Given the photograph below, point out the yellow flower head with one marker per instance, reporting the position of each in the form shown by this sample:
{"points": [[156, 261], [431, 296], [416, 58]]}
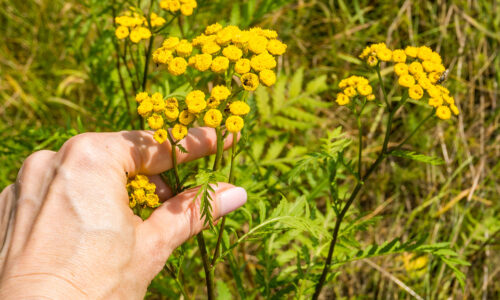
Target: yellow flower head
{"points": [[276, 47], [212, 102], [372, 61], [424, 53], [152, 200], [401, 69], [232, 52], [177, 66], [234, 124], [364, 89], [434, 77], [212, 118], [342, 99], [219, 64], [179, 131], [188, 8], [242, 66], [184, 48], [406, 80], [416, 92], [155, 121], [263, 61], [202, 62], [443, 112], [135, 35], [399, 56], [384, 54], [162, 56], [411, 51], [225, 35], [415, 68], [172, 103], [239, 108], [171, 43], [186, 118], [257, 44], [210, 48], [158, 102], [350, 92], [213, 29], [121, 32], [220, 93], [161, 135], [141, 97], [156, 20], [249, 81], [429, 66], [171, 113], [144, 32], [145, 108], [454, 109], [195, 101], [435, 102], [370, 97], [267, 77]]}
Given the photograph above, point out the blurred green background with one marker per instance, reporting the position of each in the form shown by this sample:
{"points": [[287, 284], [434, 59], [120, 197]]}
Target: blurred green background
{"points": [[58, 78]]}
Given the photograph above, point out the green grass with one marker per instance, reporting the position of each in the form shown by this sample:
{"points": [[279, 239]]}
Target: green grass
{"points": [[58, 78]]}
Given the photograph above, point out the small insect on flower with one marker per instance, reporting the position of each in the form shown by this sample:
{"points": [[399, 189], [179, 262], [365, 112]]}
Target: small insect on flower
{"points": [[443, 76], [250, 81]]}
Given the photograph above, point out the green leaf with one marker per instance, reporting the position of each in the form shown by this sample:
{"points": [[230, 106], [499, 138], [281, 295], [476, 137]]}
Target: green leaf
{"points": [[433, 160], [223, 291], [317, 85], [295, 86]]}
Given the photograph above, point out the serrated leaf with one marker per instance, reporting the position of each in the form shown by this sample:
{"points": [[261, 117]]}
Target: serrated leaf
{"points": [[317, 85], [279, 94], [295, 86], [262, 100], [223, 291], [433, 160]]}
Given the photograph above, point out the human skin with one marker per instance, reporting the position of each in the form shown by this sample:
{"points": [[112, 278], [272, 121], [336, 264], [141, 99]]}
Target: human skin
{"points": [[67, 232]]}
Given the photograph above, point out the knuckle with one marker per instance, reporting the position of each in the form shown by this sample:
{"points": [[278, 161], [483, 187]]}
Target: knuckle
{"points": [[83, 150], [37, 158]]}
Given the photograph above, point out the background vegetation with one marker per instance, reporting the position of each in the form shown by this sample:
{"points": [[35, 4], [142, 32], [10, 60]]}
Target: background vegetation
{"points": [[58, 78]]}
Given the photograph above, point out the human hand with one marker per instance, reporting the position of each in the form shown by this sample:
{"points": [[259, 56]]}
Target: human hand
{"points": [[67, 232]]}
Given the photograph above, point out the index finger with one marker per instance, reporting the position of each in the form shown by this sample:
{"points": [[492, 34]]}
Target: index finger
{"points": [[138, 152]]}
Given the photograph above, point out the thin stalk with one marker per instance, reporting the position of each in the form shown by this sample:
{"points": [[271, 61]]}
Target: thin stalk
{"points": [[220, 148], [146, 63], [178, 187], [357, 188], [414, 131], [206, 265], [124, 58], [223, 222], [382, 87]]}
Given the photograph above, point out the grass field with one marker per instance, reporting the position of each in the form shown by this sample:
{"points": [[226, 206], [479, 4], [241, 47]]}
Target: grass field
{"points": [[58, 78]]}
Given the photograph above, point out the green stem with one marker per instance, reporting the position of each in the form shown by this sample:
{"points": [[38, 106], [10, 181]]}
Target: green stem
{"points": [[220, 149], [146, 64], [223, 222], [382, 87], [414, 131], [178, 187], [357, 189], [206, 265]]}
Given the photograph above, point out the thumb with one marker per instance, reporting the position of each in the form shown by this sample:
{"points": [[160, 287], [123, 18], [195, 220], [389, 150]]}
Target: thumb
{"points": [[179, 218]]}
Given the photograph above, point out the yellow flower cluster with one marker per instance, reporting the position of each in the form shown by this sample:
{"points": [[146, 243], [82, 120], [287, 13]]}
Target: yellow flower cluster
{"points": [[186, 7], [135, 26], [420, 70], [249, 53], [352, 87], [141, 192]]}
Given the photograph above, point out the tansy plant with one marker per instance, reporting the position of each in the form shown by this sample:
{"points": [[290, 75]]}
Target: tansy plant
{"points": [[420, 75], [236, 62]]}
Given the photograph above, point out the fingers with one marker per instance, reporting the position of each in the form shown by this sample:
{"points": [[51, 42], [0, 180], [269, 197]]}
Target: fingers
{"points": [[163, 191], [178, 219], [137, 151]]}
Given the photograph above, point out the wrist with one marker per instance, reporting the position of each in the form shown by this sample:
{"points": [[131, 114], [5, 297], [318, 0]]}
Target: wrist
{"points": [[39, 286]]}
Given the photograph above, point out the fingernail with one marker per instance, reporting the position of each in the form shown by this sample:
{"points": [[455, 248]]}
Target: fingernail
{"points": [[231, 199]]}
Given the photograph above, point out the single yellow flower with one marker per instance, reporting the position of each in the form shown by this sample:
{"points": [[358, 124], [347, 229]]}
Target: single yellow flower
{"points": [[220, 92], [257, 44], [249, 81], [443, 112], [415, 68], [186, 118], [179, 131], [184, 48], [177, 66], [263, 61], [161, 135], [372, 61], [435, 102], [364, 89], [121, 32], [195, 101], [155, 121], [239, 108], [141, 96], [411, 51], [267, 77], [424, 53], [350, 92], [406, 80], [399, 56], [276, 47], [171, 113], [212, 118], [171, 43], [384, 54], [135, 36], [370, 97], [342, 99], [213, 29], [202, 62], [219, 64], [210, 48], [234, 124], [145, 108], [242, 66], [401, 69], [416, 92], [232, 52]]}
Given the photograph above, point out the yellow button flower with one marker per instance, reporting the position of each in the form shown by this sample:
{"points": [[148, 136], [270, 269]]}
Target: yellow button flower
{"points": [[239, 108], [152, 200], [263, 61], [399, 56], [232, 52], [234, 124], [202, 62], [212, 118], [435, 102], [144, 32], [141, 96], [172, 102], [242, 66], [249, 81], [372, 61], [411, 51], [177, 66], [342, 99], [364, 89], [220, 93], [416, 92], [213, 29], [267, 77], [171, 43], [135, 36], [415, 68], [257, 44], [121, 32], [186, 118], [184, 48], [406, 80], [401, 69], [350, 92], [424, 53], [155, 121], [161, 135], [370, 97], [276, 47], [195, 101], [219, 64], [210, 48], [162, 56], [384, 54], [454, 109], [145, 108], [171, 113], [443, 112], [179, 131]]}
